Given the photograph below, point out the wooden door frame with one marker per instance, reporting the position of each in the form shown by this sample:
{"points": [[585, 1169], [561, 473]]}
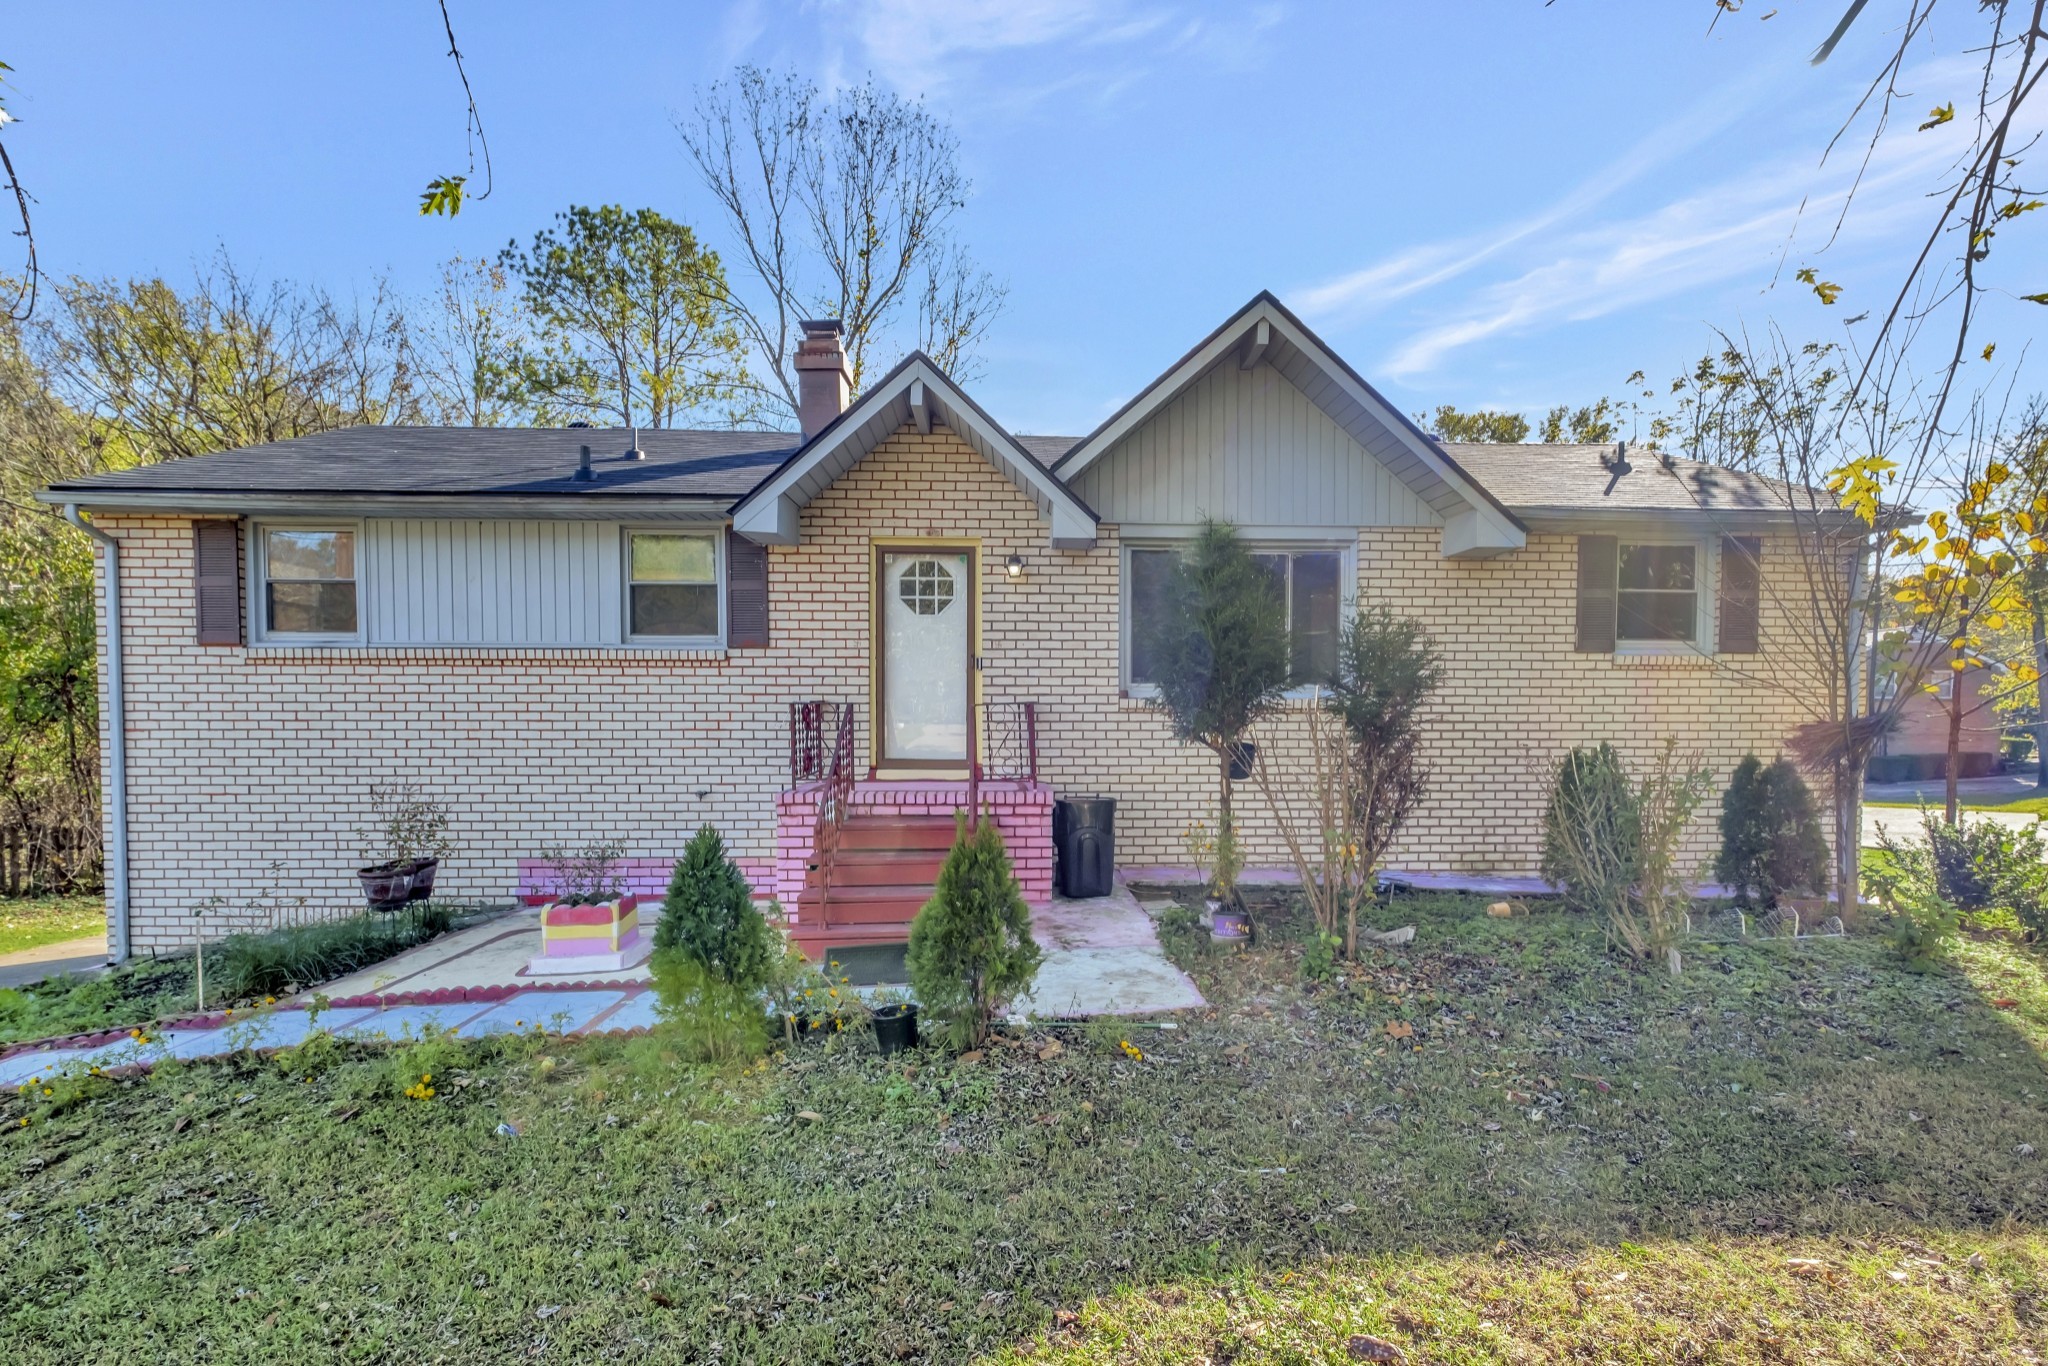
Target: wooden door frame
{"points": [[881, 547]]}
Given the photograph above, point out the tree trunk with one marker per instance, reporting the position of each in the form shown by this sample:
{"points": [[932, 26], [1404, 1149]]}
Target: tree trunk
{"points": [[1955, 738], [1848, 803], [2036, 601]]}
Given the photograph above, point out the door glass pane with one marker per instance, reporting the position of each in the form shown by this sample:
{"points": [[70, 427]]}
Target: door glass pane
{"points": [[925, 610], [1151, 574], [1314, 604], [675, 609]]}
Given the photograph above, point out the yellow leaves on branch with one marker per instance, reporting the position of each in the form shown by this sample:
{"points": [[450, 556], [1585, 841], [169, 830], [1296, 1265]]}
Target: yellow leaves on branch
{"points": [[1940, 114], [1827, 290]]}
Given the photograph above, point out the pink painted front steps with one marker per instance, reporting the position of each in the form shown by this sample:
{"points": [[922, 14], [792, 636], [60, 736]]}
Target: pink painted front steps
{"points": [[1022, 811]]}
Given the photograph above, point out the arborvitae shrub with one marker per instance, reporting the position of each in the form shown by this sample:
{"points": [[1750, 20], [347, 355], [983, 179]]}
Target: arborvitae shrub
{"points": [[1771, 841], [971, 950], [709, 917]]}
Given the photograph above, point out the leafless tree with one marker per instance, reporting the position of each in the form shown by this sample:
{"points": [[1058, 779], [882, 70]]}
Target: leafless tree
{"points": [[466, 341], [839, 206]]}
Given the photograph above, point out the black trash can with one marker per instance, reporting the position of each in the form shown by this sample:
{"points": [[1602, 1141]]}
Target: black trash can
{"points": [[1084, 845]]}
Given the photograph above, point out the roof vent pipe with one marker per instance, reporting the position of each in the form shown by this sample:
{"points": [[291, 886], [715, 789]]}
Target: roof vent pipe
{"points": [[584, 474], [633, 452]]}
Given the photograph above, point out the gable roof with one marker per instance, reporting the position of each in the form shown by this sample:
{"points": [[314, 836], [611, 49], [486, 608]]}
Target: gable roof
{"points": [[1264, 331], [1569, 483], [916, 390]]}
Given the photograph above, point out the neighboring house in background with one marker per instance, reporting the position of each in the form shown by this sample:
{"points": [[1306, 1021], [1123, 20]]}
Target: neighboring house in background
{"points": [[1917, 748], [670, 640]]}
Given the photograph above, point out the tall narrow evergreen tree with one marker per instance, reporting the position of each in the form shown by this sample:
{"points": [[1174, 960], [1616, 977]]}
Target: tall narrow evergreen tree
{"points": [[709, 916], [971, 950], [1771, 841]]}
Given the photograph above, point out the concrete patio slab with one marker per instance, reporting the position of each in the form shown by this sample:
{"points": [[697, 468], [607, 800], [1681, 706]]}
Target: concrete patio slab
{"points": [[1102, 957], [494, 953]]}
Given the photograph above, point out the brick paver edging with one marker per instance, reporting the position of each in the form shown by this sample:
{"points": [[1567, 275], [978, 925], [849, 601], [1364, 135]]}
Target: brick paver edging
{"points": [[371, 1000]]}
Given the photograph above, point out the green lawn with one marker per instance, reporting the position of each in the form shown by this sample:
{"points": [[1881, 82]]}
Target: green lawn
{"points": [[31, 922], [2032, 806], [1795, 1152]]}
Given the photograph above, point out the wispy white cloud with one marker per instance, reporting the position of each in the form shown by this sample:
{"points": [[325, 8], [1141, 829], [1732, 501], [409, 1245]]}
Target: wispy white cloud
{"points": [[1734, 228]]}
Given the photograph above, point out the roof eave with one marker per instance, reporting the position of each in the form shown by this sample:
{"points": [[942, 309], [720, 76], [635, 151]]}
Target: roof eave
{"points": [[282, 503]]}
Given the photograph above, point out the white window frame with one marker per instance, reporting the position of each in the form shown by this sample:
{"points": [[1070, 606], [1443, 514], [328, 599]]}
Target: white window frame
{"points": [[715, 641], [1706, 572], [1945, 686], [259, 632], [1263, 544]]}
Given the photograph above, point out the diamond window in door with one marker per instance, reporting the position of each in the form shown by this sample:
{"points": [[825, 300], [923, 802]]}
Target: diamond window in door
{"points": [[926, 587]]}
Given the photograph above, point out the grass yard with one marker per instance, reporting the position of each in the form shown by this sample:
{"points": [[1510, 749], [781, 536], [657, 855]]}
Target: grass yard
{"points": [[1497, 1146], [2029, 806], [33, 921]]}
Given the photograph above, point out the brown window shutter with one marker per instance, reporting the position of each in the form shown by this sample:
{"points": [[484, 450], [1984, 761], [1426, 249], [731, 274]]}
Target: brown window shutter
{"points": [[1741, 594], [746, 593], [1599, 563], [217, 581]]}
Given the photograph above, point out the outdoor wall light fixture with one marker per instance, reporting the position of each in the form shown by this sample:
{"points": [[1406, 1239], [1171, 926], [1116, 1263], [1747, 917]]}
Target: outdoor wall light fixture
{"points": [[1014, 566]]}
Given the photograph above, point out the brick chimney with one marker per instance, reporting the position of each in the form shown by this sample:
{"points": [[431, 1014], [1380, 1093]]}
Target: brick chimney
{"points": [[822, 384]]}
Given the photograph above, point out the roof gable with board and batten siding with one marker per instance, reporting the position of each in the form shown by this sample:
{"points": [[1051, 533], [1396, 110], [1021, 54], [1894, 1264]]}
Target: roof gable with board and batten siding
{"points": [[1263, 425]]}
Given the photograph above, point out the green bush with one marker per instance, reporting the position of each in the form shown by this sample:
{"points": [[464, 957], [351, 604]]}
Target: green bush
{"points": [[246, 965], [1771, 841], [1592, 831], [1981, 865], [971, 949], [1919, 922], [709, 917], [709, 1018]]}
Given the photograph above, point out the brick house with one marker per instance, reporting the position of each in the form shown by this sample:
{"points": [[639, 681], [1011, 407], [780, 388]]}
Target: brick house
{"points": [[580, 634]]}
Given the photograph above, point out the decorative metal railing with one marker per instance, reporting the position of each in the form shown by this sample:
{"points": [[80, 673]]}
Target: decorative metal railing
{"points": [[821, 750], [1010, 741]]}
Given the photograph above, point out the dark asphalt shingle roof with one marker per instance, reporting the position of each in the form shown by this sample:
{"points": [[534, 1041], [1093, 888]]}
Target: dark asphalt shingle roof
{"points": [[1531, 477], [471, 460], [462, 461]]}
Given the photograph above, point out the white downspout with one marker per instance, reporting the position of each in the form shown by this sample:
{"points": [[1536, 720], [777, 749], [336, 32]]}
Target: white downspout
{"points": [[117, 744]]}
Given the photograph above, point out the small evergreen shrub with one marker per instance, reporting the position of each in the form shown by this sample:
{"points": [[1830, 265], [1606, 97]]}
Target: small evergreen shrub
{"points": [[709, 917], [1979, 866], [971, 950], [1592, 831], [1771, 841]]}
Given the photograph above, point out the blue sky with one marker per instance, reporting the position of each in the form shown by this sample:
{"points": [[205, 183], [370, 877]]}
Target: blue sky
{"points": [[1487, 202]]}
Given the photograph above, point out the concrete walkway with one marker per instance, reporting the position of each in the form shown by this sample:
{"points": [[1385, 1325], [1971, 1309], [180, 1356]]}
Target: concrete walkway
{"points": [[25, 967], [1101, 958], [1905, 826]]}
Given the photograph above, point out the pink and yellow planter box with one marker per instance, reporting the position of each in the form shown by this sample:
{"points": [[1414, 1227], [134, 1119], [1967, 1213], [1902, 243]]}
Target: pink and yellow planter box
{"points": [[603, 937]]}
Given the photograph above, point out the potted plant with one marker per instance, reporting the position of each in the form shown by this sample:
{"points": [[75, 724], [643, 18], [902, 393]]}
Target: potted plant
{"points": [[1217, 863], [590, 923], [895, 1021], [403, 845]]}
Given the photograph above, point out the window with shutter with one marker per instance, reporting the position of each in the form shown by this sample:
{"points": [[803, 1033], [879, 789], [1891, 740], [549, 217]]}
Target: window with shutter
{"points": [[746, 593], [217, 582]]}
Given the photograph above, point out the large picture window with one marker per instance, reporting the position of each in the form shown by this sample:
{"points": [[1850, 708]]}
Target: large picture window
{"points": [[1308, 593], [309, 581], [1658, 596], [672, 585]]}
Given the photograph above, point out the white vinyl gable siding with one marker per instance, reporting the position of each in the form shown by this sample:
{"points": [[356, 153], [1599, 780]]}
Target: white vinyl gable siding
{"points": [[492, 582], [1248, 447]]}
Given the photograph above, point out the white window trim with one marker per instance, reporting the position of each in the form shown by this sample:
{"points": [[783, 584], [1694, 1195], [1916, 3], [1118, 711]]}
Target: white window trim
{"points": [[718, 569], [258, 570], [1706, 626], [1347, 578], [1945, 686]]}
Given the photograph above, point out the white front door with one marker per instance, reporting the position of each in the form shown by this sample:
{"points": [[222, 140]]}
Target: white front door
{"points": [[927, 629]]}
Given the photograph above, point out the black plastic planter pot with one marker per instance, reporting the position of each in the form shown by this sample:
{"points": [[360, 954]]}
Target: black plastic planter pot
{"points": [[386, 886], [1242, 762], [895, 1028], [423, 871]]}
